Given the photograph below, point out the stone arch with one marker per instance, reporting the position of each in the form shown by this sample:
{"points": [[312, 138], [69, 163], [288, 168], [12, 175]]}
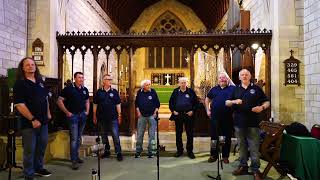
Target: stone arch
{"points": [[187, 16], [168, 22]]}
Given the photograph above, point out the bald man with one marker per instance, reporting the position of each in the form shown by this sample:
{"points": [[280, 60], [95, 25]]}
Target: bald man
{"points": [[182, 104], [221, 116], [248, 100]]}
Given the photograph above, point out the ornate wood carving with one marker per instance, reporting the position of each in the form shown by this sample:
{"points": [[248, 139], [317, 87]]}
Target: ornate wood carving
{"points": [[186, 39]]}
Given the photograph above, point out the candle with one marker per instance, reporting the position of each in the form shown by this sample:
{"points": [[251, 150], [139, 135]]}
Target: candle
{"points": [[126, 69], [122, 67], [110, 68], [207, 67], [11, 108]]}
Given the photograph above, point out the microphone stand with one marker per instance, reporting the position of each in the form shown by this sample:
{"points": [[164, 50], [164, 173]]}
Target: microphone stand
{"points": [[158, 145], [11, 142], [98, 151], [220, 142]]}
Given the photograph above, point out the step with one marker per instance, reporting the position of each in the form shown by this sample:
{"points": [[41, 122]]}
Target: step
{"points": [[167, 139]]}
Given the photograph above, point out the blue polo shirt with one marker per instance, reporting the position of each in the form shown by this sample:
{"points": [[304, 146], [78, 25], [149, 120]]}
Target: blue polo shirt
{"points": [[75, 98], [251, 97], [34, 96], [218, 98], [184, 101], [147, 102], [107, 102]]}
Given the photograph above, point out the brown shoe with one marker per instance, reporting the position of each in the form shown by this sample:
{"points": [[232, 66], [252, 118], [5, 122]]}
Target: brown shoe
{"points": [[241, 170], [212, 159], [226, 160], [257, 176]]}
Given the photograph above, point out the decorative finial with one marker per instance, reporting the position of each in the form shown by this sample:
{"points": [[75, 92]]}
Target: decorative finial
{"points": [[291, 52], [240, 3]]}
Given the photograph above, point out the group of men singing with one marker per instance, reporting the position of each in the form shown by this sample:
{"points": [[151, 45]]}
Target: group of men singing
{"points": [[229, 107]]}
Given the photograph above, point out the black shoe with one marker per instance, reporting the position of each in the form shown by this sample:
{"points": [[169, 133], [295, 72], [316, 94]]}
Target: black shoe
{"points": [[212, 159], [80, 161], [43, 173], [137, 155], [75, 165], [150, 155], [106, 154], [178, 154], [119, 157], [191, 155]]}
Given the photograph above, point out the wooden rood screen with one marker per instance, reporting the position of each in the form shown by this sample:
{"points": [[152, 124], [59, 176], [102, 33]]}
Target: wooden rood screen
{"points": [[191, 41]]}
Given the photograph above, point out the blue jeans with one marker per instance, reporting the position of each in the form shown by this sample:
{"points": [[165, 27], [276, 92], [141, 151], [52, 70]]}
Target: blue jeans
{"points": [[114, 127], [34, 143], [249, 137], [142, 123], [77, 123]]}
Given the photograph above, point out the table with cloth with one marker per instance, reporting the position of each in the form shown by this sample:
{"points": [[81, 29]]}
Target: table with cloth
{"points": [[302, 155]]}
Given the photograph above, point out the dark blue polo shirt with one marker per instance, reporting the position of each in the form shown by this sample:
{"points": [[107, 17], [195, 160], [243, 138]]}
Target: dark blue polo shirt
{"points": [[34, 96], [184, 101], [107, 102], [219, 96], [75, 98], [251, 97], [147, 102]]}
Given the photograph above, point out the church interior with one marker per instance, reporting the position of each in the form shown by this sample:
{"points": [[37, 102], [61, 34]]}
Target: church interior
{"points": [[163, 40]]}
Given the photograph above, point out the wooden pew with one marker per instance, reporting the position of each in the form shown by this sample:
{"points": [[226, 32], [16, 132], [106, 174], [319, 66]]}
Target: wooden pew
{"points": [[270, 146]]}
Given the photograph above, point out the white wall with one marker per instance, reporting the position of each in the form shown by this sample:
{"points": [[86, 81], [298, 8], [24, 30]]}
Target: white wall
{"points": [[285, 19], [312, 61], [48, 16], [13, 33]]}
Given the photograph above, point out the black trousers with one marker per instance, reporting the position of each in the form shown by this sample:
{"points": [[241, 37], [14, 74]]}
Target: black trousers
{"points": [[188, 122], [221, 127]]}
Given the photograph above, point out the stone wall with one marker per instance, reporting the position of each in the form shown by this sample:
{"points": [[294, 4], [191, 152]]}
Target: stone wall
{"points": [[287, 28], [311, 23], [13, 33], [46, 17]]}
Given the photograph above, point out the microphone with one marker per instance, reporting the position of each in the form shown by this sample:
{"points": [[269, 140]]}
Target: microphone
{"points": [[222, 140], [214, 144]]}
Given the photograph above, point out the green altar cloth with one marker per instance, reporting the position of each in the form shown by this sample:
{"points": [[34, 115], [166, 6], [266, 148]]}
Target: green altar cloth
{"points": [[303, 155]]}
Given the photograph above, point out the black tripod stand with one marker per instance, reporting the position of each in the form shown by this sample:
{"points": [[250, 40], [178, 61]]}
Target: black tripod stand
{"points": [[11, 144], [158, 145], [217, 144], [98, 153]]}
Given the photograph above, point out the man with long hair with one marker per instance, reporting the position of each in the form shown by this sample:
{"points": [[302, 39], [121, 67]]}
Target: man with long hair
{"points": [[147, 105], [182, 104], [74, 102], [107, 112], [221, 116], [31, 101]]}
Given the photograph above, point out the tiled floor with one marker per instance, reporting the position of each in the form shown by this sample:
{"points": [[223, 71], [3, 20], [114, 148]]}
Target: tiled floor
{"points": [[144, 169]]}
